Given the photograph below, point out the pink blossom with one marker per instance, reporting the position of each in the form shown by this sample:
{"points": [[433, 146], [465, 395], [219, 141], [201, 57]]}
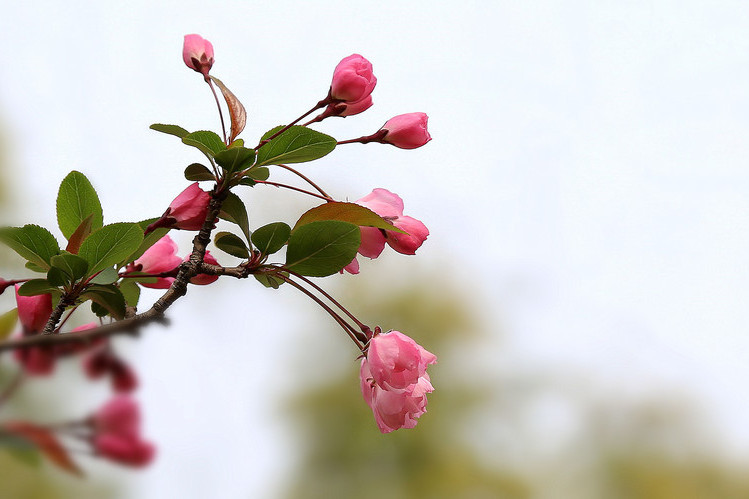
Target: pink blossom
{"points": [[357, 107], [407, 131], [189, 210], [204, 279], [197, 52], [41, 360], [353, 81], [161, 257], [390, 207], [117, 433], [396, 360], [394, 408], [33, 311]]}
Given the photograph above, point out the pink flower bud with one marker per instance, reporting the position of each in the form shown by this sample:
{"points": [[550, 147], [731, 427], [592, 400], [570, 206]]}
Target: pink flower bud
{"points": [[117, 433], [407, 131], [36, 361], [390, 207], [33, 311], [353, 80], [190, 208], [204, 279], [396, 360], [357, 107], [197, 52], [105, 362], [161, 257], [394, 408]]}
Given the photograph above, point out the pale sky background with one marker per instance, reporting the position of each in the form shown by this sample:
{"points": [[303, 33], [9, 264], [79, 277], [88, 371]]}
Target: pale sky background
{"points": [[588, 174]]}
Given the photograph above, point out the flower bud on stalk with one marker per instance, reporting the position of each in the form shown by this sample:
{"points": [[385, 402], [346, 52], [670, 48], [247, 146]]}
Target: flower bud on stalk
{"points": [[197, 52], [407, 131], [189, 209], [117, 433], [159, 258]]}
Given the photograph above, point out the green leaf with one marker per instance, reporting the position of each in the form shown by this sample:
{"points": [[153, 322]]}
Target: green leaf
{"points": [[269, 280], [74, 266], [32, 242], [110, 244], [198, 172], [208, 142], [235, 159], [296, 145], [320, 249], [35, 268], [233, 210], [81, 233], [170, 129], [237, 143], [149, 240], [107, 276], [346, 212], [57, 277], [258, 173], [20, 449], [131, 291], [8, 323], [36, 287], [76, 201], [110, 298], [228, 242], [271, 238]]}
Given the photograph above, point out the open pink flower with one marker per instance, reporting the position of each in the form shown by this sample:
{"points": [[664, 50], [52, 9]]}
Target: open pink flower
{"points": [[407, 131], [189, 210], [197, 52], [353, 82], [396, 403], [161, 257], [390, 207], [204, 279], [117, 433]]}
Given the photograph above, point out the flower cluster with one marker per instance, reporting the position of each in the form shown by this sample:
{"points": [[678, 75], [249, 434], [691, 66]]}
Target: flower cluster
{"points": [[394, 381]]}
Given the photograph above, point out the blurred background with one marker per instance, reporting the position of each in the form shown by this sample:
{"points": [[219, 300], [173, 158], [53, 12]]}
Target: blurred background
{"points": [[584, 284]]}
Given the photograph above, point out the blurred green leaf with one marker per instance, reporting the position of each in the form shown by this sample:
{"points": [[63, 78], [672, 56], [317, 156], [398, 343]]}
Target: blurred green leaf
{"points": [[298, 144], [198, 172], [110, 244], [35, 244], [323, 248], [8, 323], [271, 238], [76, 201]]}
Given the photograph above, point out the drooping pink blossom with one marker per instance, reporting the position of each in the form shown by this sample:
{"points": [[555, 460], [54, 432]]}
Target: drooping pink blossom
{"points": [[117, 433], [395, 408], [197, 52], [390, 207], [396, 360], [204, 279], [189, 209], [353, 82], [41, 360], [161, 257], [407, 131]]}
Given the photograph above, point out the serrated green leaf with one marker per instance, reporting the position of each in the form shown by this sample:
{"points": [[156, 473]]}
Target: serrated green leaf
{"points": [[35, 244], [320, 249], [131, 291], [110, 244], [170, 129], [110, 298], [346, 212], [198, 172], [269, 280], [296, 145], [76, 201], [8, 323], [235, 159], [36, 287], [107, 276], [74, 266], [233, 210], [228, 242], [271, 238], [207, 142]]}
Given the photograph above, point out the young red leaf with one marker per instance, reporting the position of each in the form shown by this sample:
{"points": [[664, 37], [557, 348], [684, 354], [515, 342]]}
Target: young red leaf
{"points": [[46, 442], [236, 110]]}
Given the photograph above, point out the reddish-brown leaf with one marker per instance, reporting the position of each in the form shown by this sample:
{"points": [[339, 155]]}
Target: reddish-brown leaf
{"points": [[236, 110], [80, 234], [46, 442]]}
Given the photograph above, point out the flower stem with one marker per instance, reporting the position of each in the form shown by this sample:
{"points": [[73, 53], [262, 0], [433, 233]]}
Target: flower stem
{"points": [[218, 104], [299, 174], [319, 105], [285, 186]]}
